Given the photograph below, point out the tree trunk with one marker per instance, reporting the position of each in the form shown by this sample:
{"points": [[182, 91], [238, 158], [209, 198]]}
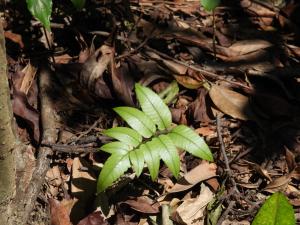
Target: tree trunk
{"points": [[7, 139]]}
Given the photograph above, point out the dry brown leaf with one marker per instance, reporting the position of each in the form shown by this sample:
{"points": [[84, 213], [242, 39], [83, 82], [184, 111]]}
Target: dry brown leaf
{"points": [[278, 184], [59, 213], [91, 74], [261, 171], [201, 172], [17, 38], [213, 183], [290, 159], [122, 82], [249, 186], [230, 102], [94, 218], [23, 109], [176, 68], [296, 173], [205, 131], [63, 59], [143, 204], [188, 82], [191, 211]]}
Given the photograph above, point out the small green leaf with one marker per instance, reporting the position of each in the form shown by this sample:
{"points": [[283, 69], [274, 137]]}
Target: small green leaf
{"points": [[210, 5], [41, 9], [79, 4], [152, 159], [116, 147], [153, 106], [137, 160], [168, 152], [185, 138], [276, 211], [124, 134], [114, 167], [138, 120], [170, 92]]}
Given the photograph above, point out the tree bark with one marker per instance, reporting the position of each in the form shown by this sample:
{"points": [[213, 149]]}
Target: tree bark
{"points": [[7, 139]]}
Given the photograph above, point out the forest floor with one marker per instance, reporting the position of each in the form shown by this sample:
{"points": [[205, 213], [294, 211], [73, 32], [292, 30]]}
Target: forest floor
{"points": [[237, 85]]}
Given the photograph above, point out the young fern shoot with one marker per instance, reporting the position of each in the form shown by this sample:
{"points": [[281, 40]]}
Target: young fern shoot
{"points": [[150, 137]]}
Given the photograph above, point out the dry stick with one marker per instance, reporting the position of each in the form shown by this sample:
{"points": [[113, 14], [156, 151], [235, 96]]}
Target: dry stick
{"points": [[214, 36], [72, 148], [49, 46], [87, 131], [223, 217], [50, 133], [222, 146]]}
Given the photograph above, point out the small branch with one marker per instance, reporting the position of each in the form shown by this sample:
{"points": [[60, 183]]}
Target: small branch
{"points": [[222, 146], [25, 199], [214, 36], [72, 148], [225, 213]]}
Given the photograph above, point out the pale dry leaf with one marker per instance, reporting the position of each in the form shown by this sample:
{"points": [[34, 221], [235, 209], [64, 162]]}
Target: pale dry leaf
{"points": [[201, 172], [54, 177], [81, 176], [29, 75], [235, 222], [191, 211], [247, 46], [83, 187], [231, 102]]}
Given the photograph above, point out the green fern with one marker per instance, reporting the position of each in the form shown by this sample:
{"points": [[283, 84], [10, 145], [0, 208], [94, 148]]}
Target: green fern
{"points": [[149, 139]]}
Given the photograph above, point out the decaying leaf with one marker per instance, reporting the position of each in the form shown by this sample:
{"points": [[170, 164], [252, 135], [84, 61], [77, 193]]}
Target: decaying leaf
{"points": [[93, 69], [230, 102], [202, 172], [23, 109]]}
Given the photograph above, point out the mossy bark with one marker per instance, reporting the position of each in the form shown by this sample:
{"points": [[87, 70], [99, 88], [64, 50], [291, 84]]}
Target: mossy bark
{"points": [[7, 139]]}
